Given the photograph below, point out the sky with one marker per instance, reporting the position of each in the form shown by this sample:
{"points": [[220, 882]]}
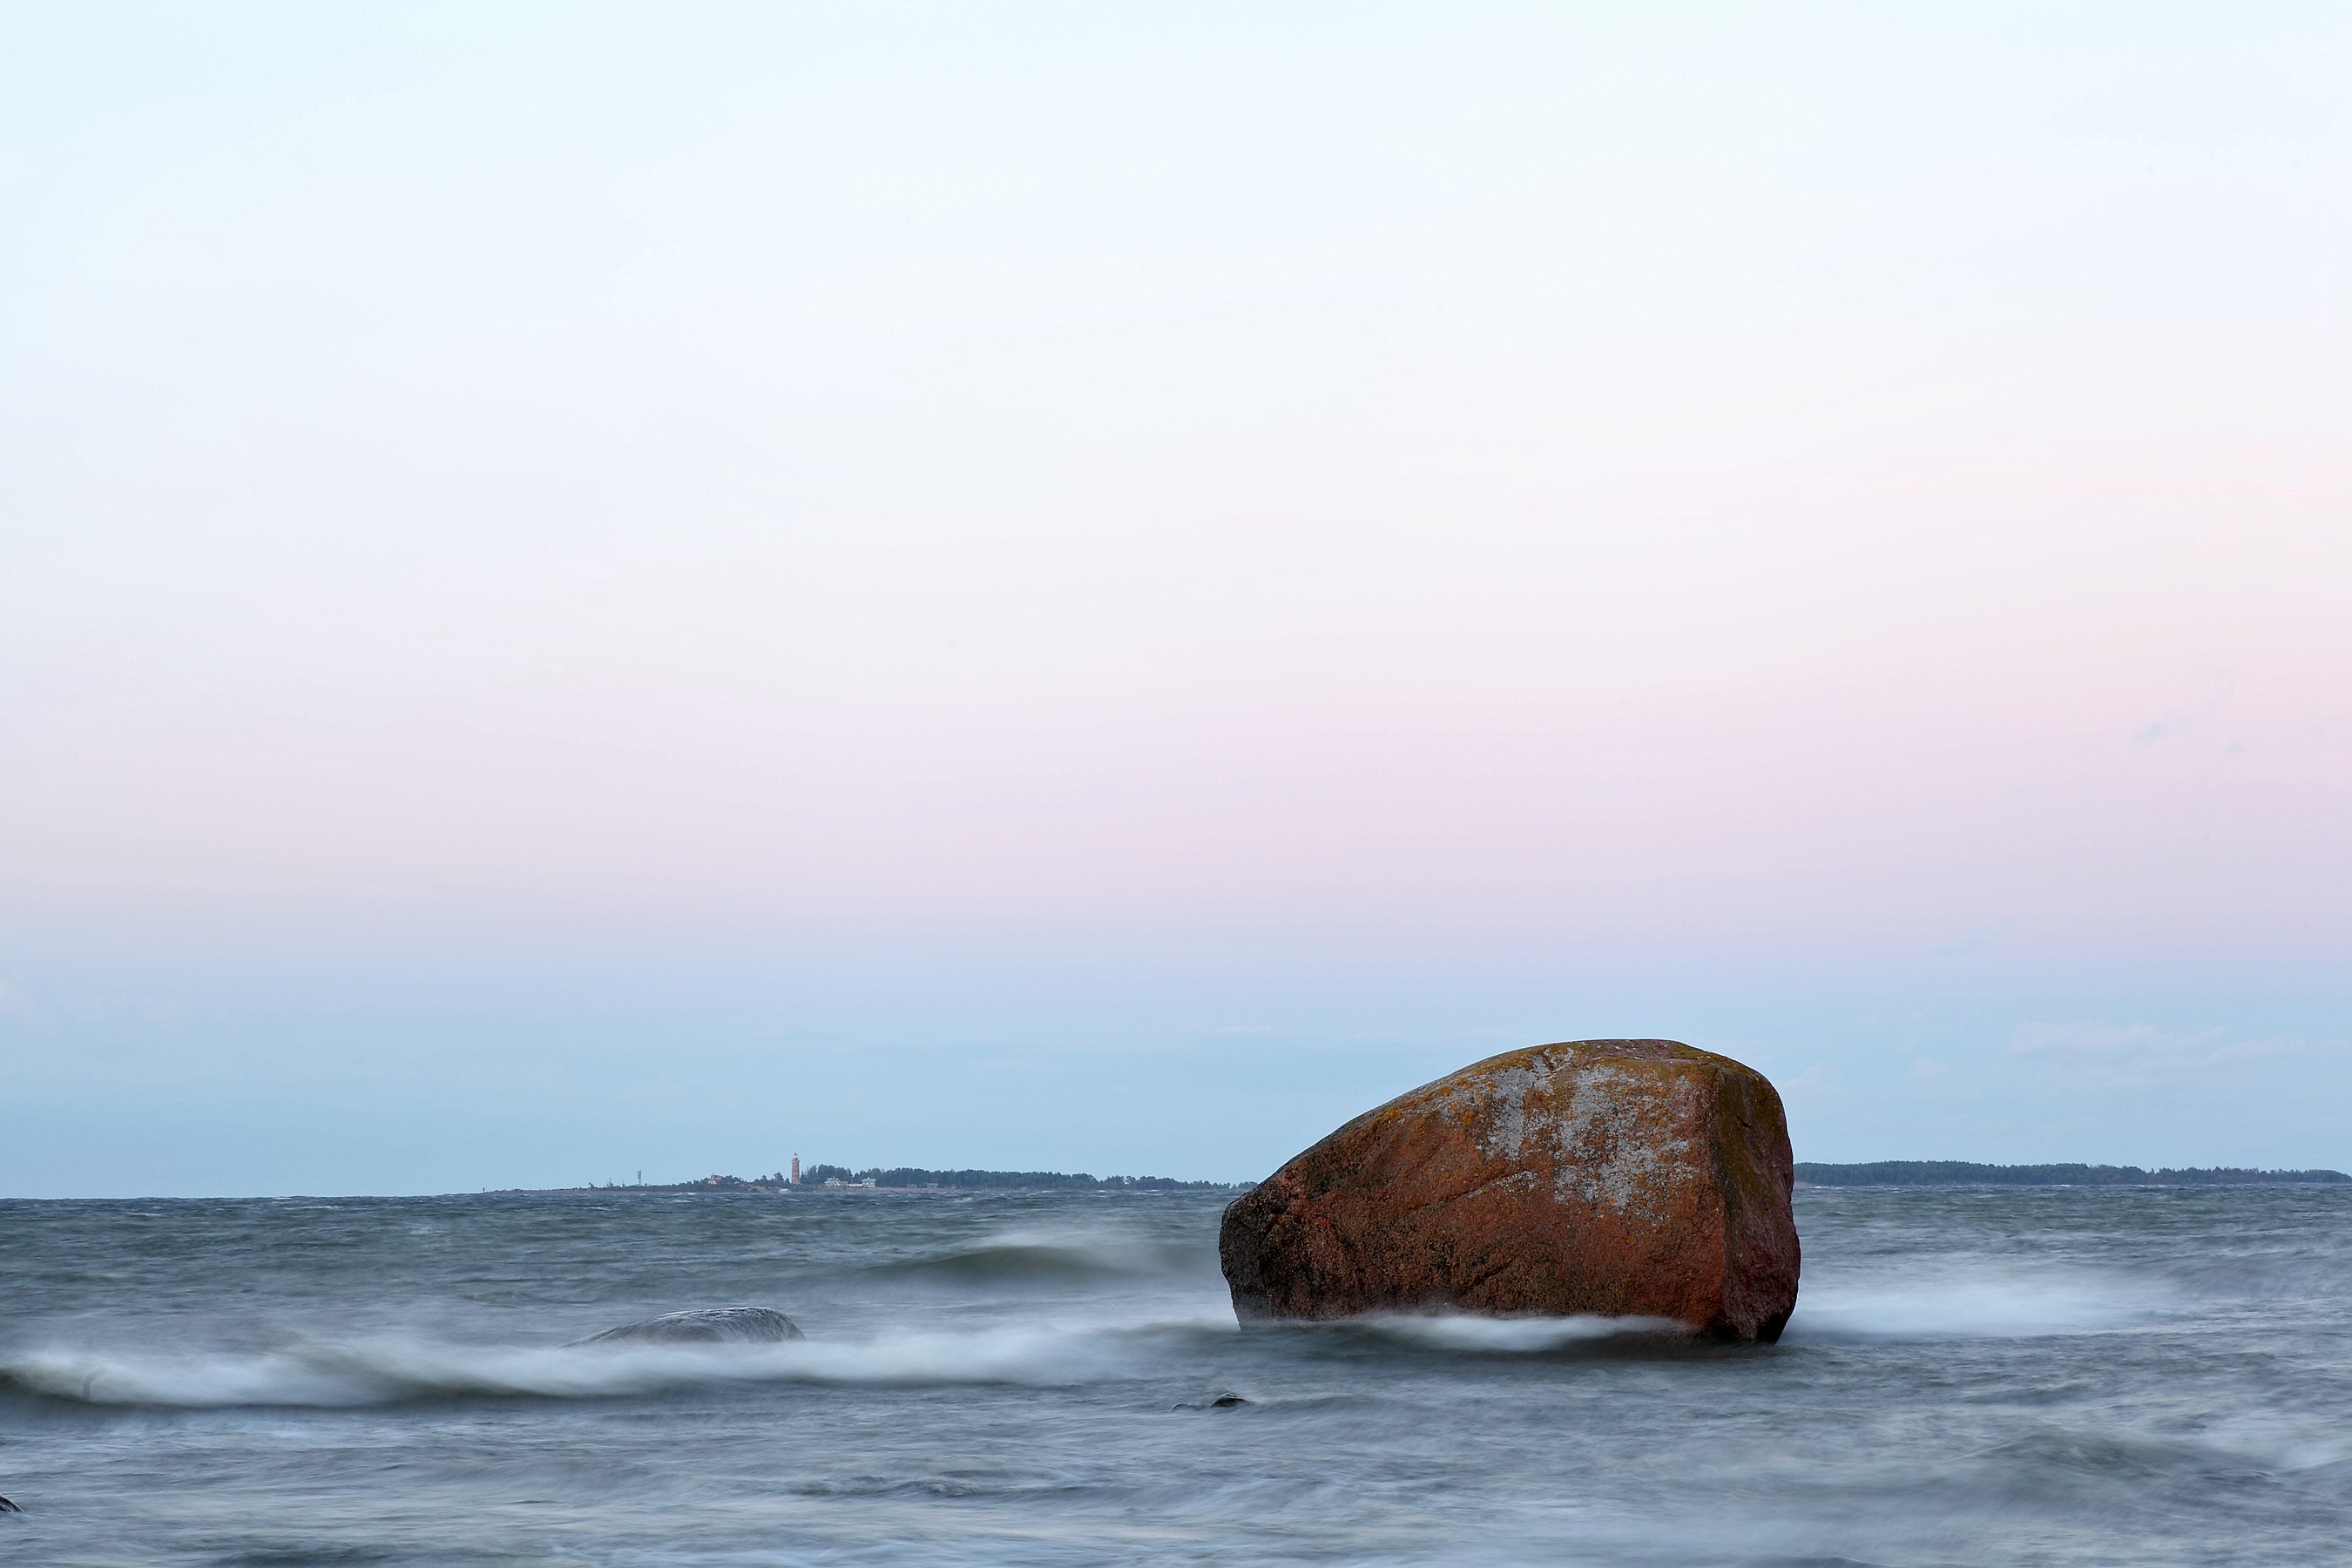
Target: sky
{"points": [[588, 589]]}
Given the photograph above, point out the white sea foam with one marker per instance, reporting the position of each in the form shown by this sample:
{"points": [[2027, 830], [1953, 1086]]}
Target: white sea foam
{"points": [[2009, 1305], [388, 1371], [1056, 1353], [1455, 1332]]}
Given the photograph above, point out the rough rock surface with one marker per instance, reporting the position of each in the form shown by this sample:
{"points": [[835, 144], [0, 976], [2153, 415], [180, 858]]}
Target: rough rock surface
{"points": [[717, 1325], [1629, 1178]]}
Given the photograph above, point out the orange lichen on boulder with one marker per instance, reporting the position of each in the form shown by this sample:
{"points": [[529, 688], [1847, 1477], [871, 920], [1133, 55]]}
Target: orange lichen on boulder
{"points": [[1627, 1178]]}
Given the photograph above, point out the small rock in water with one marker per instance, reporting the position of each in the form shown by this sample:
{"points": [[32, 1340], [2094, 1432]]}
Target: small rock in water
{"points": [[1621, 1178], [717, 1325]]}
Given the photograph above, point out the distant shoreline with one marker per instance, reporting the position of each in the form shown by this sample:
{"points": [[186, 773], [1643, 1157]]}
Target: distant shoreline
{"points": [[1810, 1174], [1967, 1174], [905, 1179], [854, 1189]]}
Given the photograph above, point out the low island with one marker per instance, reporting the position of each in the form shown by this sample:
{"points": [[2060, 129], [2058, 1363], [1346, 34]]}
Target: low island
{"points": [[912, 1178], [1968, 1173]]}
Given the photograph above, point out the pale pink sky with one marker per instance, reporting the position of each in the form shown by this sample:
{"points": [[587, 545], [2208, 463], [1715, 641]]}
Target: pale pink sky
{"points": [[1849, 485]]}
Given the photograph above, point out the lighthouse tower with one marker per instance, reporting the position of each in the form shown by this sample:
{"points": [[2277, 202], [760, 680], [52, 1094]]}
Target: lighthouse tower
{"points": [[796, 1169]]}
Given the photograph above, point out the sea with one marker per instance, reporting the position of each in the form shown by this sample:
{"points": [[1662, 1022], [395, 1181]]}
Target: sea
{"points": [[2003, 1376]]}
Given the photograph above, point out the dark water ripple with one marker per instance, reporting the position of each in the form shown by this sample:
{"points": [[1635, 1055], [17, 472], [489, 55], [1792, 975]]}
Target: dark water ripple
{"points": [[2019, 1376]]}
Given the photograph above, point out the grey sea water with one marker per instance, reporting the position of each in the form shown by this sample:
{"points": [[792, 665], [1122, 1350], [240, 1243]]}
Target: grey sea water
{"points": [[2092, 1376]]}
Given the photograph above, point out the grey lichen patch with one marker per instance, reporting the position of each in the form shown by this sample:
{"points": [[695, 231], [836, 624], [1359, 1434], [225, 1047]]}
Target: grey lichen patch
{"points": [[1614, 1121], [1617, 1143], [1612, 1133], [1610, 1130], [1503, 1096]]}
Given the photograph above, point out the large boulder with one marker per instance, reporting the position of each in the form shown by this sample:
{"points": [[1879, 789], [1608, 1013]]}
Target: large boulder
{"points": [[1627, 1178]]}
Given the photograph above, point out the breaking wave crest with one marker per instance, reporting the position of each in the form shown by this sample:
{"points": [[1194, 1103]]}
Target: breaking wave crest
{"points": [[386, 1372], [390, 1371], [1158, 1336], [2014, 1305], [1511, 1336]]}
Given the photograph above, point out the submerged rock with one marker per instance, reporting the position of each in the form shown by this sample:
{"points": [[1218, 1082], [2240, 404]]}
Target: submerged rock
{"points": [[717, 1325], [1626, 1178], [1222, 1402]]}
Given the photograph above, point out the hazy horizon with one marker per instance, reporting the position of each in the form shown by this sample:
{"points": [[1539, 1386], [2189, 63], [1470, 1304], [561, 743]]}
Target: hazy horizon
{"points": [[594, 588]]}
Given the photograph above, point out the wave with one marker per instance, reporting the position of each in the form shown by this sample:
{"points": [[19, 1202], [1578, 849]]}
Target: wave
{"points": [[1508, 1336], [2011, 1305], [1017, 1263], [1111, 1344], [387, 1372], [2130, 1456]]}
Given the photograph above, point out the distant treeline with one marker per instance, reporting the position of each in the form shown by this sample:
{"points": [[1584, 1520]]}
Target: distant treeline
{"points": [[1964, 1173], [1058, 1181]]}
